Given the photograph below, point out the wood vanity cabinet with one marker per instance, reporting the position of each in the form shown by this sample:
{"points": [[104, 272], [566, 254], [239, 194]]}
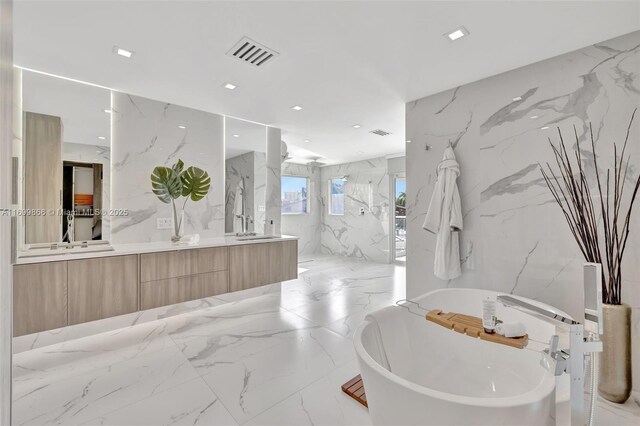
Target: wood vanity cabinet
{"points": [[178, 276], [103, 287], [50, 295], [39, 297], [254, 265]]}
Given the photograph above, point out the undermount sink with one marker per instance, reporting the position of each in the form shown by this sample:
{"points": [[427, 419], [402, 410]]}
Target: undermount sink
{"points": [[55, 249], [255, 237]]}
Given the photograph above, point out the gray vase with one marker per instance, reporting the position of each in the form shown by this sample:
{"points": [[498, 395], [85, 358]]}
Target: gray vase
{"points": [[615, 361]]}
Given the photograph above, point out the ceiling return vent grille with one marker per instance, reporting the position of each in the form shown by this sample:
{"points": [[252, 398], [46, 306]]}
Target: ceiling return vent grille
{"points": [[253, 53], [380, 132]]}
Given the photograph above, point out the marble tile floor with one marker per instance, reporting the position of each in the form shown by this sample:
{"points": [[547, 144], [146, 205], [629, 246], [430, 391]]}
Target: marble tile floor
{"points": [[274, 359]]}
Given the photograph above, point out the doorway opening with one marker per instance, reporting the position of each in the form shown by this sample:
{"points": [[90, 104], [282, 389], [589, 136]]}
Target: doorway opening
{"points": [[400, 219]]}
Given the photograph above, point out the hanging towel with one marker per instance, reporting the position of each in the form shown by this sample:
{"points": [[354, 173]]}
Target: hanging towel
{"points": [[444, 218]]}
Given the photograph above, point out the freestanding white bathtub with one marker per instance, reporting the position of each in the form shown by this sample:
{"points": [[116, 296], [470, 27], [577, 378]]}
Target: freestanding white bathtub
{"points": [[452, 379]]}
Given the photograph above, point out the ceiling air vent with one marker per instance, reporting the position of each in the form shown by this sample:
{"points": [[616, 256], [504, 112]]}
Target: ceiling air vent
{"points": [[251, 52], [380, 132]]}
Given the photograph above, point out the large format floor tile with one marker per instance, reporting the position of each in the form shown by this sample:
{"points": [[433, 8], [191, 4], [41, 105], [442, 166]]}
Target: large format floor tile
{"points": [[265, 357], [190, 403], [320, 403], [80, 398], [262, 375]]}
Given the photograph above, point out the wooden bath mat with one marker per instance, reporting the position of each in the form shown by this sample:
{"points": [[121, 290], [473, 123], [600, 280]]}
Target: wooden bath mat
{"points": [[472, 326], [355, 389]]}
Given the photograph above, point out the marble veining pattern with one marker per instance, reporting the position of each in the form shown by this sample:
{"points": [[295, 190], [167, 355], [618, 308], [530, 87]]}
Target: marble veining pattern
{"points": [[273, 164], [257, 360], [145, 134], [277, 358], [515, 238], [364, 236]]}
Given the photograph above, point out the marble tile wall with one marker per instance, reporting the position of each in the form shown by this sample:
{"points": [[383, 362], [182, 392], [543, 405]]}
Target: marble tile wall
{"points": [[363, 236], [305, 226], [260, 191], [145, 133], [94, 154], [515, 238]]}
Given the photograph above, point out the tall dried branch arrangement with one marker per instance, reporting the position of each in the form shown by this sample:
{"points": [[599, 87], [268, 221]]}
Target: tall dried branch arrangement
{"points": [[600, 226]]}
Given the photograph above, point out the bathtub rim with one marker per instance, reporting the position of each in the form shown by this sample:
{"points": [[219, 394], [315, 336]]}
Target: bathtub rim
{"points": [[539, 392]]}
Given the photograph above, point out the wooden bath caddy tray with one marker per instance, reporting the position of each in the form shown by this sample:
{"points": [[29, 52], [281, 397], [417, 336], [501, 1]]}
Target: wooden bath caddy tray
{"points": [[355, 389], [472, 326]]}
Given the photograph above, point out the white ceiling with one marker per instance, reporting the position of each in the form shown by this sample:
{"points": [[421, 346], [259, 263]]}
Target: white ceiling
{"points": [[344, 62]]}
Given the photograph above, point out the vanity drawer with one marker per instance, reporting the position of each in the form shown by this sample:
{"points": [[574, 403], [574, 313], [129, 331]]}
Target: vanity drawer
{"points": [[102, 288], [176, 290], [209, 260], [180, 263], [39, 297], [254, 265]]}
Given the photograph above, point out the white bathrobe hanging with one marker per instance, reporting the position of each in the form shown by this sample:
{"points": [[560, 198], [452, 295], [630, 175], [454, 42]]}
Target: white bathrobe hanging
{"points": [[444, 218]]}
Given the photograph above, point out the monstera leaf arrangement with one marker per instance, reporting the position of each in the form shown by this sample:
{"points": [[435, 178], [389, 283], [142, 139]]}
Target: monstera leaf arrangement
{"points": [[171, 183]]}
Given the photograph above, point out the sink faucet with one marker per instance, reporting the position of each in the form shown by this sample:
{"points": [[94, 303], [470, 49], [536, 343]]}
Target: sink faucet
{"points": [[559, 361], [246, 219]]}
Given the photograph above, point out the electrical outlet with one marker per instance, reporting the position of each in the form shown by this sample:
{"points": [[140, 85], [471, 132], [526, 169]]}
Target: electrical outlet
{"points": [[164, 223]]}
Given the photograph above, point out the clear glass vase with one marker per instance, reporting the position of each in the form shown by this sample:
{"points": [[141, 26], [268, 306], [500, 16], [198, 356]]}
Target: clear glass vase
{"points": [[178, 221]]}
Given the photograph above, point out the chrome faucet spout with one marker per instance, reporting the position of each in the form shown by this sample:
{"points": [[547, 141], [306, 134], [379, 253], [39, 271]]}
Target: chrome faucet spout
{"points": [[559, 361], [544, 314]]}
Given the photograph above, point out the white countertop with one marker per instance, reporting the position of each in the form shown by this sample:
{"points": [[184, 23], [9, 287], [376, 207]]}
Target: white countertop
{"points": [[150, 247]]}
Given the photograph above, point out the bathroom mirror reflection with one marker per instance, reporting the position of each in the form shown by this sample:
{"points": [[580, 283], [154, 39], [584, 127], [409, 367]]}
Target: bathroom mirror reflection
{"points": [[65, 160], [245, 177]]}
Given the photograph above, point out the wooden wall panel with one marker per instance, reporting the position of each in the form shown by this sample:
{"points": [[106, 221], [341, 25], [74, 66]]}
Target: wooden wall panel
{"points": [[42, 176]]}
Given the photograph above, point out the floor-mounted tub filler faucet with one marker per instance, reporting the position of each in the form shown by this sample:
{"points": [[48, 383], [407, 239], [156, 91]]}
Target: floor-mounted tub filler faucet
{"points": [[581, 343]]}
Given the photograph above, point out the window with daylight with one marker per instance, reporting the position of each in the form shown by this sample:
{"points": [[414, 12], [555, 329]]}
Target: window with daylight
{"points": [[336, 196], [294, 195]]}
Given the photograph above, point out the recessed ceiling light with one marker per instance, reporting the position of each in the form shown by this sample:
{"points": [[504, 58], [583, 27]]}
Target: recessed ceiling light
{"points": [[409, 141], [356, 126], [307, 140], [236, 136], [456, 34], [101, 138], [534, 117], [296, 107], [544, 128], [122, 52], [108, 111], [229, 86], [517, 98], [182, 127]]}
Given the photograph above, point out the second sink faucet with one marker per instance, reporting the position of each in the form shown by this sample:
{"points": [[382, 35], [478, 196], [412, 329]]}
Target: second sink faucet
{"points": [[246, 219]]}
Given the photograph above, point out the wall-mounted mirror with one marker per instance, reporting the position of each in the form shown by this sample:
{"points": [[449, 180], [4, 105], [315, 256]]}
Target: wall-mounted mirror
{"points": [[65, 160], [245, 176]]}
